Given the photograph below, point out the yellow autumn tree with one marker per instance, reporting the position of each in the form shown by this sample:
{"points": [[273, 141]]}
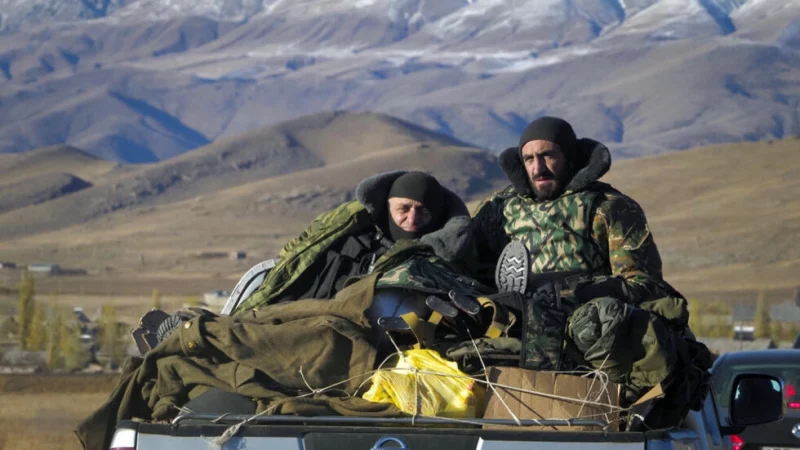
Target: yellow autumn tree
{"points": [[25, 309], [761, 321], [696, 317], [720, 315], [110, 341], [156, 298], [54, 357], [37, 338], [193, 301], [776, 331], [70, 344], [794, 331]]}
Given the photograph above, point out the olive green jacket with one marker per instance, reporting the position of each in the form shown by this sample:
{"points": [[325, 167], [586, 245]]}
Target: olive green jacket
{"points": [[258, 354]]}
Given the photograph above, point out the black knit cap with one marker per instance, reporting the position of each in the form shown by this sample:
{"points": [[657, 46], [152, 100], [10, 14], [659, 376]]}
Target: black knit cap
{"points": [[552, 129], [421, 187]]}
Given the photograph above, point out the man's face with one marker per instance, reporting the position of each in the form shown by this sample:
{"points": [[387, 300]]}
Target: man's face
{"points": [[546, 167], [410, 215]]}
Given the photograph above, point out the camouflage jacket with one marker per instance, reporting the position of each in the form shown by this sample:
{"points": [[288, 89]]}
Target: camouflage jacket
{"points": [[591, 227], [411, 266], [443, 247]]}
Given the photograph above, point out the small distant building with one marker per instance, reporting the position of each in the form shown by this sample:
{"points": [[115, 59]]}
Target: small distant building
{"points": [[216, 299], [211, 254], [44, 269], [7, 265], [744, 333]]}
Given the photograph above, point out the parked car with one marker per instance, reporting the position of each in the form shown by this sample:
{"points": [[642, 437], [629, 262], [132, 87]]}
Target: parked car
{"points": [[783, 434]]}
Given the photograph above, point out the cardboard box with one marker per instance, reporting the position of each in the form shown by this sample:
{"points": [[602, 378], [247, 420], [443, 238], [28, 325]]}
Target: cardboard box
{"points": [[530, 394]]}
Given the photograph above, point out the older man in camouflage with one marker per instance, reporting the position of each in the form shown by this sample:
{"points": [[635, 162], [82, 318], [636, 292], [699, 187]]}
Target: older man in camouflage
{"points": [[586, 272], [395, 216]]}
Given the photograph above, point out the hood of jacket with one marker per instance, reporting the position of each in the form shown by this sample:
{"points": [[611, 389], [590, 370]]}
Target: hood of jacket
{"points": [[451, 242], [592, 161]]}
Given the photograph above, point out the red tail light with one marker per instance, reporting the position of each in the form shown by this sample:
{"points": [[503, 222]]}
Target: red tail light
{"points": [[737, 442], [791, 391]]}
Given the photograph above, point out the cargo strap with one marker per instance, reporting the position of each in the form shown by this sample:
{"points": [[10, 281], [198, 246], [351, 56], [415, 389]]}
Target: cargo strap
{"points": [[502, 318], [424, 330]]}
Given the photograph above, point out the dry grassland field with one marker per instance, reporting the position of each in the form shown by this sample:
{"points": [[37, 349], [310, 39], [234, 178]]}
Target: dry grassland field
{"points": [[40, 412]]}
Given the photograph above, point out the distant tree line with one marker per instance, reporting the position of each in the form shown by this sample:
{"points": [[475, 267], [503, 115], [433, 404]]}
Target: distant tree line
{"points": [[57, 331], [715, 319]]}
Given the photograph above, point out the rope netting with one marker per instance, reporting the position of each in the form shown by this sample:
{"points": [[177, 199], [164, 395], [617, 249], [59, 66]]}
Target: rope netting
{"points": [[599, 396]]}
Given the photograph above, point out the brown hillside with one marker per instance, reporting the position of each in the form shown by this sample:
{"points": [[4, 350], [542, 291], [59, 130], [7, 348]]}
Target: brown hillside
{"points": [[306, 143], [251, 192], [337, 137], [726, 217], [38, 189], [258, 216], [49, 160]]}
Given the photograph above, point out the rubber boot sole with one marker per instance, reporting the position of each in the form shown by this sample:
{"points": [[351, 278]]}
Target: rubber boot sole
{"points": [[511, 274]]}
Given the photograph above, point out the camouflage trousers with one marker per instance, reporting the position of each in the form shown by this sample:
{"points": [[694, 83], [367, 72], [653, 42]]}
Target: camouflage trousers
{"points": [[545, 316], [637, 347]]}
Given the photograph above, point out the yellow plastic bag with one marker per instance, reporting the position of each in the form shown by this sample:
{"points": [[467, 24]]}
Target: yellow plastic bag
{"points": [[424, 383]]}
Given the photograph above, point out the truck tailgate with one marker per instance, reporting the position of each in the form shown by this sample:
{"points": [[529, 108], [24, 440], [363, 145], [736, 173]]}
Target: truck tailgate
{"points": [[278, 437]]}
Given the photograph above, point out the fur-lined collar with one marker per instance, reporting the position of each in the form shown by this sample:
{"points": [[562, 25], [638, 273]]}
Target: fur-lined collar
{"points": [[592, 161], [451, 242]]}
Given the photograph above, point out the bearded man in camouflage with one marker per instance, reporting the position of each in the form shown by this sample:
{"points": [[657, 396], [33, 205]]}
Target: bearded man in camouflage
{"points": [[567, 219], [585, 271]]}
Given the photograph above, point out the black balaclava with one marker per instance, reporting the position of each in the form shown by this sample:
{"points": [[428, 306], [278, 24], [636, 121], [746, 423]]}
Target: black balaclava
{"points": [[423, 188], [552, 129]]}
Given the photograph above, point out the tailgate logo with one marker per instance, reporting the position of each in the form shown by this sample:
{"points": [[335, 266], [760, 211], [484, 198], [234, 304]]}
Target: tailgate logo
{"points": [[796, 430], [391, 443]]}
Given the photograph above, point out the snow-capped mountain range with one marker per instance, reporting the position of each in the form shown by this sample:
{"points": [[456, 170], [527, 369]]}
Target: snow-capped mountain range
{"points": [[149, 79]]}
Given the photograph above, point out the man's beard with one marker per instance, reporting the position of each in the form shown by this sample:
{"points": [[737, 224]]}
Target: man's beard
{"points": [[554, 190]]}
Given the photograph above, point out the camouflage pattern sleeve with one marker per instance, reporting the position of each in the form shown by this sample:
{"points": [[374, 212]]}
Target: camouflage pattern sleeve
{"points": [[323, 221], [620, 228], [292, 244], [489, 237]]}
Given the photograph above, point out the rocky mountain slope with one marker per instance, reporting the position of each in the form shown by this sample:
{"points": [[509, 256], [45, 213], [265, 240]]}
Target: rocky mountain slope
{"points": [[147, 80]]}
